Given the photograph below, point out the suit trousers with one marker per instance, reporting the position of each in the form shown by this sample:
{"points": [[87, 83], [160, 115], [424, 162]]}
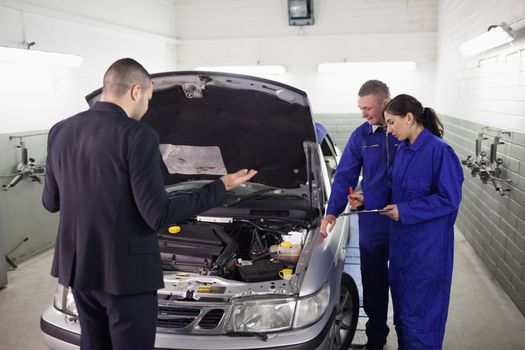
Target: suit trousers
{"points": [[117, 322]]}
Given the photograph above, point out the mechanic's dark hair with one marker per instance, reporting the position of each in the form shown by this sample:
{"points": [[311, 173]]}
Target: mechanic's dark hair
{"points": [[402, 104], [123, 74], [377, 88]]}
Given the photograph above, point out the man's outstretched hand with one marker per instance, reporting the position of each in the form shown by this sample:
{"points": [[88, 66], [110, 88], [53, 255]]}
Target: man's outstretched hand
{"points": [[327, 224], [236, 179]]}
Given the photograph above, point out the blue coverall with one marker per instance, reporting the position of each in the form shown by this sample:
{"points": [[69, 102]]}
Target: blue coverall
{"points": [[373, 151], [426, 187]]}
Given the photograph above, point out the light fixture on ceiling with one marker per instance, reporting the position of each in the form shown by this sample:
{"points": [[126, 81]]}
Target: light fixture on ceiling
{"points": [[16, 55], [495, 36], [300, 12], [356, 67], [249, 70]]}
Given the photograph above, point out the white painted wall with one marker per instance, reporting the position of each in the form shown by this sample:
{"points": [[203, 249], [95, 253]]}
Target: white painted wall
{"points": [[219, 19], [488, 88], [239, 32], [34, 97]]}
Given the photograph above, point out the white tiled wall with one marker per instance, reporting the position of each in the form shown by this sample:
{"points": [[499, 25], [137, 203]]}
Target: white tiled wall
{"points": [[153, 16], [493, 224], [207, 19], [236, 32], [207, 32], [488, 88], [36, 96]]}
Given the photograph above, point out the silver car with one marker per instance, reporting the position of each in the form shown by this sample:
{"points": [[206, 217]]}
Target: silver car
{"points": [[255, 273]]}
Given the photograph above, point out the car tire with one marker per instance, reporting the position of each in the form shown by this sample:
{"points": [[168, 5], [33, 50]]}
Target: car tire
{"points": [[345, 323]]}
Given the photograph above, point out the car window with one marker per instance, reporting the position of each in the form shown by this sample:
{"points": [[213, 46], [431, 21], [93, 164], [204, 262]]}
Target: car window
{"points": [[330, 155]]}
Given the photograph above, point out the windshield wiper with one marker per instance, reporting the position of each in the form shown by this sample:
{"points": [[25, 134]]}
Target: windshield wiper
{"points": [[250, 196]]}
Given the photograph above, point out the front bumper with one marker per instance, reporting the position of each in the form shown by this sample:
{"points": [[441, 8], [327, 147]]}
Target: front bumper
{"points": [[61, 334], [58, 332]]}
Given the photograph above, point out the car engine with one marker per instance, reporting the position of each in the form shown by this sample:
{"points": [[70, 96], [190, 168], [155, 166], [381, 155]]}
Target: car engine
{"points": [[240, 250]]}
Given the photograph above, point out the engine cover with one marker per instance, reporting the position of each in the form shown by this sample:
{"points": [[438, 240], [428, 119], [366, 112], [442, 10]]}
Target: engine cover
{"points": [[198, 247]]}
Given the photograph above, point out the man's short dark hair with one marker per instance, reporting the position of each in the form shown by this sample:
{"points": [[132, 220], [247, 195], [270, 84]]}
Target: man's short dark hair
{"points": [[123, 74], [376, 88]]}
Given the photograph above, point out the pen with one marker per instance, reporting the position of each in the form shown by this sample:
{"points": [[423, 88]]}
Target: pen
{"points": [[352, 201]]}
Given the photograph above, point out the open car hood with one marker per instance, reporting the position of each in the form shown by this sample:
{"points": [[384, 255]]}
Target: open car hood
{"points": [[210, 124]]}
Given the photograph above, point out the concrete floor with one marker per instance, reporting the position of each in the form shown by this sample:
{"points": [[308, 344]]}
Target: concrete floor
{"points": [[481, 315]]}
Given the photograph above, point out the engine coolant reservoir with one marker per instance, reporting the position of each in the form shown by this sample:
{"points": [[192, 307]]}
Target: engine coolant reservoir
{"points": [[286, 251]]}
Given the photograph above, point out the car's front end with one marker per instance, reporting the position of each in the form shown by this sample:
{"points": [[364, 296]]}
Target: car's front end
{"points": [[254, 273]]}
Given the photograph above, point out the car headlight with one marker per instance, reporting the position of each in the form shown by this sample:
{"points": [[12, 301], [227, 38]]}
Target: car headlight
{"points": [[310, 309], [64, 301], [261, 315], [277, 314]]}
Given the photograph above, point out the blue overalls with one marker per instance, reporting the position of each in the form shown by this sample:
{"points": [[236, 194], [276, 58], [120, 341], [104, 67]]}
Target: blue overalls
{"points": [[373, 151], [426, 186]]}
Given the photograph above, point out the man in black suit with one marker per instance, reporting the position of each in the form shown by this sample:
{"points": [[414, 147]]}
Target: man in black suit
{"points": [[103, 176]]}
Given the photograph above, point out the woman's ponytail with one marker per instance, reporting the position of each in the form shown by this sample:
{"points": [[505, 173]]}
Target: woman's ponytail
{"points": [[431, 121]]}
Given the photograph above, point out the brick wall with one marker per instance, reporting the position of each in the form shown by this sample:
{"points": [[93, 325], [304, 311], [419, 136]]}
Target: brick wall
{"points": [[487, 89], [494, 224], [339, 126], [26, 228]]}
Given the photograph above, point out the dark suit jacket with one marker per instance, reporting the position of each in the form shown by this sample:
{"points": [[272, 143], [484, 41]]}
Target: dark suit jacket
{"points": [[103, 175]]}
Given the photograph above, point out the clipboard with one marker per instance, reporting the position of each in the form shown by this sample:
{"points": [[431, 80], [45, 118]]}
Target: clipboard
{"points": [[365, 211]]}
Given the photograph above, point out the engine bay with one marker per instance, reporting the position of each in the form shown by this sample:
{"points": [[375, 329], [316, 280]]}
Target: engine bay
{"points": [[244, 250]]}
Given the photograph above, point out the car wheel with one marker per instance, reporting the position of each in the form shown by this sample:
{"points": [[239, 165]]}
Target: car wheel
{"points": [[345, 323]]}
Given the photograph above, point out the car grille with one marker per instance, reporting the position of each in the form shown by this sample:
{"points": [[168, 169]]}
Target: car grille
{"points": [[204, 318], [174, 322], [211, 319], [176, 317]]}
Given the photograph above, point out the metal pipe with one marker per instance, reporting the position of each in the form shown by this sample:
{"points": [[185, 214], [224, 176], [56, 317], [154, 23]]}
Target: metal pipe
{"points": [[24, 154], [26, 135], [492, 156]]}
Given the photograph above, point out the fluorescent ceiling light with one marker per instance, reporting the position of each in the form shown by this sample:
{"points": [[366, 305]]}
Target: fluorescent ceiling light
{"points": [[356, 67], [15, 55], [250, 70], [494, 37]]}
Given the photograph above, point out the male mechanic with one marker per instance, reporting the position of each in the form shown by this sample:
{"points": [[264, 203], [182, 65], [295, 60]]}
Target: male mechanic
{"points": [[103, 175], [371, 150]]}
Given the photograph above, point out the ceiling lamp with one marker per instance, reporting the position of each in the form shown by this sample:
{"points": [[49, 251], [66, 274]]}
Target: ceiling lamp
{"points": [[496, 35]]}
